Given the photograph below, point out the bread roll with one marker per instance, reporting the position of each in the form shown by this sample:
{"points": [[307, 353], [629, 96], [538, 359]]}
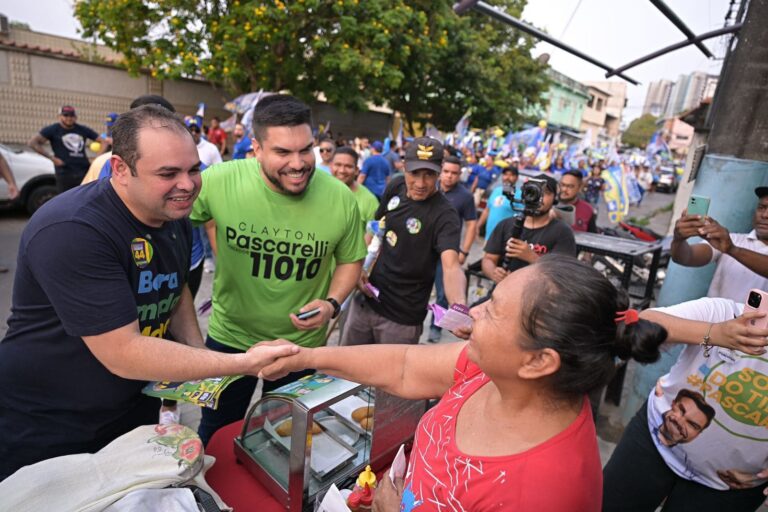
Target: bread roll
{"points": [[367, 423], [362, 412], [284, 429]]}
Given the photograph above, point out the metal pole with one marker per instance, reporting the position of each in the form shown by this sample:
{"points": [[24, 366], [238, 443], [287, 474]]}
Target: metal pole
{"points": [[671, 16], [514, 22], [671, 48]]}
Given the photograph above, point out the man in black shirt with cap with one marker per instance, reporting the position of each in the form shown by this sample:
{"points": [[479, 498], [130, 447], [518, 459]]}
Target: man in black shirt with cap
{"points": [[68, 141], [542, 234], [421, 228]]}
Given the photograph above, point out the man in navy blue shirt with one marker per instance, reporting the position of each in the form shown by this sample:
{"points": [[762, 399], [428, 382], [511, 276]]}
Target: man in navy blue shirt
{"points": [[101, 284], [464, 204], [376, 171], [68, 141]]}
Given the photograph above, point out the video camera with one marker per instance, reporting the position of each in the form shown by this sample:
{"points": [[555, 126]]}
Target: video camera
{"points": [[526, 201], [528, 198]]}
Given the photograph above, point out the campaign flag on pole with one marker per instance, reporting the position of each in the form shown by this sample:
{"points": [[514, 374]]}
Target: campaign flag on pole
{"points": [[657, 144], [244, 102], [463, 125], [542, 157], [586, 141], [433, 132], [200, 114], [248, 116], [633, 187], [229, 124], [615, 194], [539, 137]]}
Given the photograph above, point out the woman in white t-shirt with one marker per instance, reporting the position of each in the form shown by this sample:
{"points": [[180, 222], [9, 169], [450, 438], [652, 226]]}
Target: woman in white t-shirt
{"points": [[701, 440]]}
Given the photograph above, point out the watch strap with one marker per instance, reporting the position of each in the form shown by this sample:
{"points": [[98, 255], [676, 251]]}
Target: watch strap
{"points": [[336, 307]]}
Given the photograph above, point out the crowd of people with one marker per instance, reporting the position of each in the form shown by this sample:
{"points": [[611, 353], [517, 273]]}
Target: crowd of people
{"points": [[107, 273]]}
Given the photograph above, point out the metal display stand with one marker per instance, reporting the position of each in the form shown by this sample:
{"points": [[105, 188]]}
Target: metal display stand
{"points": [[626, 251]]}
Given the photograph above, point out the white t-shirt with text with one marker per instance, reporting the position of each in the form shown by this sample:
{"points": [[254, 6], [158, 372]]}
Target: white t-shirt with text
{"points": [[734, 446]]}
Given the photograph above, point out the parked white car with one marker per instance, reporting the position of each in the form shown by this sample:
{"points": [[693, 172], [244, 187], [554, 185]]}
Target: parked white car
{"points": [[34, 176]]}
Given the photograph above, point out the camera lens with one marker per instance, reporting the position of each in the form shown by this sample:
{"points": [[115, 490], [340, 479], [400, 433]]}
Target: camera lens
{"points": [[531, 194], [754, 299]]}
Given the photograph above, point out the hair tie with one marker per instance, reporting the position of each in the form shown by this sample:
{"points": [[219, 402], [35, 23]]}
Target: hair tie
{"points": [[628, 316]]}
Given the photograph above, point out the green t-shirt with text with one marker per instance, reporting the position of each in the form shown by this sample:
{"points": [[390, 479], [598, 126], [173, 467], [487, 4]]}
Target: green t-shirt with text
{"points": [[366, 203], [276, 252]]}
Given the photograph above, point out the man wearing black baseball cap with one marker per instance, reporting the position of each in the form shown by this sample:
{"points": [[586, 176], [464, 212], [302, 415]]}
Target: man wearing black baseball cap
{"points": [[68, 140], [542, 234], [742, 258], [421, 228]]}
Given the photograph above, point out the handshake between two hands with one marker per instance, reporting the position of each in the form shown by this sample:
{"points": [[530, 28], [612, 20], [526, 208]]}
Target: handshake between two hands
{"points": [[272, 360]]}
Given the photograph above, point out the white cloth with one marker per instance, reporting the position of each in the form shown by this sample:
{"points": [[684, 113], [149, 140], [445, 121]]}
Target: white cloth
{"points": [[148, 457], [156, 500], [732, 280], [735, 385], [208, 153]]}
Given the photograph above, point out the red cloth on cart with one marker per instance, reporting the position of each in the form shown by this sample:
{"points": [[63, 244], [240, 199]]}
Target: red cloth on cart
{"points": [[237, 487]]}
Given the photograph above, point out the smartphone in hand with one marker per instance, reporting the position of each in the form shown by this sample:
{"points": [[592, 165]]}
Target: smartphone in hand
{"points": [[698, 205], [757, 300], [306, 315]]}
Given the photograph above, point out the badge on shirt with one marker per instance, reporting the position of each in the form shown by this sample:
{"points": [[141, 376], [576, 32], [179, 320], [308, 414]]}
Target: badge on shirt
{"points": [[391, 237], [141, 250], [499, 202], [413, 225], [393, 203]]}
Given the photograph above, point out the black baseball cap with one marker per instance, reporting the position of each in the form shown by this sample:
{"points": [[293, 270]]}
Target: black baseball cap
{"points": [[67, 110], [761, 192], [551, 183], [424, 153]]}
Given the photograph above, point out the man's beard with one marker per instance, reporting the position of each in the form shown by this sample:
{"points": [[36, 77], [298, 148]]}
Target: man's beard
{"points": [[275, 180], [664, 431]]}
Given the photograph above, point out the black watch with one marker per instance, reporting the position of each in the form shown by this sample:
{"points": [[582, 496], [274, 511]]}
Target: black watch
{"points": [[336, 307], [462, 251]]}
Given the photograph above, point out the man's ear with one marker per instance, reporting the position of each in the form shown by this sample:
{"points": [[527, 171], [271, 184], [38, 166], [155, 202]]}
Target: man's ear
{"points": [[538, 364], [120, 170], [256, 148]]}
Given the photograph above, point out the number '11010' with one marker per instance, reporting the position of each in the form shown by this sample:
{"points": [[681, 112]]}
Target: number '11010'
{"points": [[282, 267]]}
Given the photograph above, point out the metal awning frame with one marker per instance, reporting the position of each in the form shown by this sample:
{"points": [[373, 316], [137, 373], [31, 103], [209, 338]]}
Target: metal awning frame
{"points": [[692, 39]]}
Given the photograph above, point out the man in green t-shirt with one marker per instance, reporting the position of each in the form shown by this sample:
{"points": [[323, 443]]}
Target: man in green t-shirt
{"points": [[289, 240], [344, 167]]}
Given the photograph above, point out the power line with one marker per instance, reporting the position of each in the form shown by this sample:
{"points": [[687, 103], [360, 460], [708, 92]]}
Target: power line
{"points": [[570, 19]]}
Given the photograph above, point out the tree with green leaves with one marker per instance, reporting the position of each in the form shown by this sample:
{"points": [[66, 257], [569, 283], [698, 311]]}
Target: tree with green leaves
{"points": [[417, 57], [639, 131]]}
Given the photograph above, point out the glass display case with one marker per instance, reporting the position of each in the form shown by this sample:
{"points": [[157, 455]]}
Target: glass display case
{"points": [[320, 430]]}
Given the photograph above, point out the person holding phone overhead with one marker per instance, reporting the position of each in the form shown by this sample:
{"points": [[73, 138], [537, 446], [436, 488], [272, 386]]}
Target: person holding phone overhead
{"points": [[698, 442], [742, 258]]}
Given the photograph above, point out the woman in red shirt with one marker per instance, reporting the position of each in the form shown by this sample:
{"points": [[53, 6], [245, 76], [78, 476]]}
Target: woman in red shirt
{"points": [[513, 430]]}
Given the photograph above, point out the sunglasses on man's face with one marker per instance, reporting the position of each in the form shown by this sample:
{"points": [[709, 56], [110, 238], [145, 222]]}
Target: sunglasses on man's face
{"points": [[68, 115]]}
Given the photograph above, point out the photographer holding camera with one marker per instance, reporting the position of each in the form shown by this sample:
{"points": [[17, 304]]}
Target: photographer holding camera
{"points": [[516, 243]]}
